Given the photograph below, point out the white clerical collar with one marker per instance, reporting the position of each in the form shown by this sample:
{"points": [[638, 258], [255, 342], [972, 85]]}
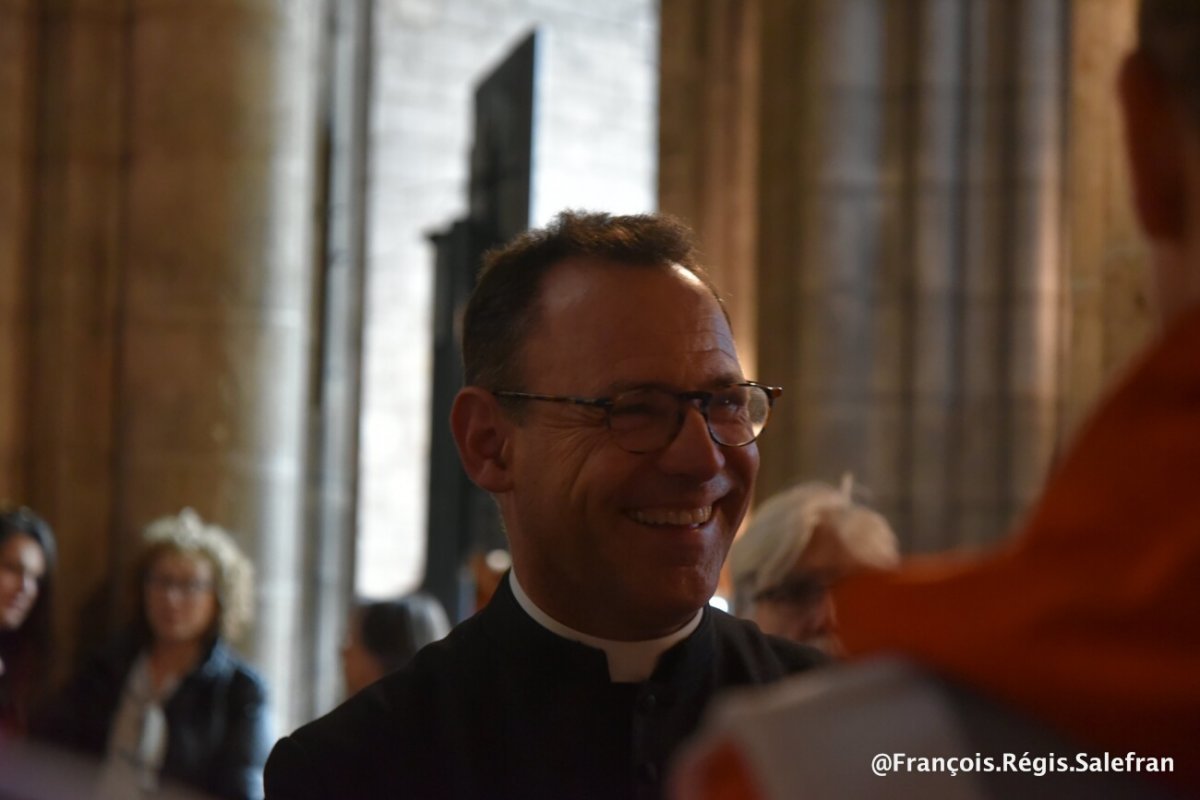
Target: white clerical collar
{"points": [[628, 662]]}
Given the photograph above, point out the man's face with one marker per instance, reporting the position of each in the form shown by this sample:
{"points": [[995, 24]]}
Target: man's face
{"points": [[615, 544]]}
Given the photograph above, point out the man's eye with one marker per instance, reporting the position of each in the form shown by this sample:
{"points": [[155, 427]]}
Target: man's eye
{"points": [[728, 406]]}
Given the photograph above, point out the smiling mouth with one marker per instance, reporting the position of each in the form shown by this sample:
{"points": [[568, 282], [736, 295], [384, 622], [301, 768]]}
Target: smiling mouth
{"points": [[672, 517]]}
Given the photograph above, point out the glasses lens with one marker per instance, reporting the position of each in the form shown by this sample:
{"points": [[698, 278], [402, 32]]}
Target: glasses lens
{"points": [[737, 414], [804, 592], [643, 420], [163, 584]]}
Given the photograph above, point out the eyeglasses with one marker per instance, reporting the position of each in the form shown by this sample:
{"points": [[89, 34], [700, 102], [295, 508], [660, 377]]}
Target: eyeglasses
{"points": [[648, 419], [161, 583], [796, 591]]}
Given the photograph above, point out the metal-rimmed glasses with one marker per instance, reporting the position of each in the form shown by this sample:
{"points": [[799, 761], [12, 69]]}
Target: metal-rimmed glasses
{"points": [[188, 587], [804, 591], [648, 418]]}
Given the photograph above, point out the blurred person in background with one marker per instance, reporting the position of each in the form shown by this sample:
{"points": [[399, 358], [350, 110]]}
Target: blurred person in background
{"points": [[382, 636], [27, 560], [797, 545], [171, 700]]}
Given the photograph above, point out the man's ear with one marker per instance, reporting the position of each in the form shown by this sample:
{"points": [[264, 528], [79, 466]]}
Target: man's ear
{"points": [[1154, 140], [481, 433]]}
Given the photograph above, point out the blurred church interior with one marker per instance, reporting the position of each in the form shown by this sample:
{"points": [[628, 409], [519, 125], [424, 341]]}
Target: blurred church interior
{"points": [[234, 235]]}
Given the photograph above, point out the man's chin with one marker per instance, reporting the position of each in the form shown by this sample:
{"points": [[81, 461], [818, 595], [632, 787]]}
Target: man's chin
{"points": [[675, 610]]}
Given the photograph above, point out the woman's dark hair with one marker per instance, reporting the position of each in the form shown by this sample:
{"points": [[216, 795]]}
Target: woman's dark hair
{"points": [[394, 630], [26, 650]]}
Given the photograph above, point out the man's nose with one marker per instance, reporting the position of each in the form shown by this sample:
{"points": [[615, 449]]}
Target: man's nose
{"points": [[693, 451]]}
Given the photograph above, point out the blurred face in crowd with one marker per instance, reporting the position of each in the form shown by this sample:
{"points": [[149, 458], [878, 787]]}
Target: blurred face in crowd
{"points": [[617, 544], [800, 606], [360, 667], [181, 601], [22, 565]]}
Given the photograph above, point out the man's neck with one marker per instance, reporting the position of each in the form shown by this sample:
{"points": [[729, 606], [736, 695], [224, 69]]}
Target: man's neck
{"points": [[628, 662]]}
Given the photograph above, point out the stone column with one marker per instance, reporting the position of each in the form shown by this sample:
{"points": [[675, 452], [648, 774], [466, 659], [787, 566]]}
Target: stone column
{"points": [[1038, 258], [18, 53], [157, 229], [934, 251], [332, 510], [829, 233], [708, 143], [909, 240], [75, 228], [1012, 258], [218, 286]]}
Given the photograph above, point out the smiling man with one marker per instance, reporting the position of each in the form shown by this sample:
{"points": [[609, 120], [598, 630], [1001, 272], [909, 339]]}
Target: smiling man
{"points": [[607, 414]]}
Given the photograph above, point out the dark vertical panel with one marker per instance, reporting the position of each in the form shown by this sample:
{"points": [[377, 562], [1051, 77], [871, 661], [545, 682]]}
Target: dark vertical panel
{"points": [[462, 518]]}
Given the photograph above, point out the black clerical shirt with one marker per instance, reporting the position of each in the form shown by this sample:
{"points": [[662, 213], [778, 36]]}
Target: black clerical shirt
{"points": [[503, 708]]}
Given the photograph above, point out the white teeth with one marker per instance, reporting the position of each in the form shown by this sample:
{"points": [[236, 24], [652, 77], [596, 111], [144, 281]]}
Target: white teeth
{"points": [[669, 516]]}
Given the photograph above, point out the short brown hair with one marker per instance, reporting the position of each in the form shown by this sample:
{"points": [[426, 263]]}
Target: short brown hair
{"points": [[503, 308]]}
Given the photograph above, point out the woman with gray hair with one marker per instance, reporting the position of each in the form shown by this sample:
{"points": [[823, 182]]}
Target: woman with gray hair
{"points": [[170, 699], [798, 543]]}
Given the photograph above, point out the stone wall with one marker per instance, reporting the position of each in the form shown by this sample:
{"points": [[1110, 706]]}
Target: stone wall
{"points": [[159, 174], [933, 229], [595, 148]]}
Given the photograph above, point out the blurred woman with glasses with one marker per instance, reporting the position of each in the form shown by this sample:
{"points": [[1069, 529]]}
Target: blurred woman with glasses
{"points": [[170, 700], [27, 557], [799, 543]]}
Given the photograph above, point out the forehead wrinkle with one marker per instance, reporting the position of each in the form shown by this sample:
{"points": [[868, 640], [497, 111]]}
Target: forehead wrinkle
{"points": [[698, 369], [674, 334]]}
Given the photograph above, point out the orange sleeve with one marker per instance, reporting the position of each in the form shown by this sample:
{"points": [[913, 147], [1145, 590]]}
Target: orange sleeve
{"points": [[721, 773]]}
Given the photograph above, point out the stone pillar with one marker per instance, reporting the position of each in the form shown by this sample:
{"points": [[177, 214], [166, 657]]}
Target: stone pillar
{"points": [[1038, 259], [909, 240], [75, 231], [157, 231], [18, 53], [934, 252], [786, 74], [708, 142], [217, 289], [1013, 256], [332, 511], [830, 231]]}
